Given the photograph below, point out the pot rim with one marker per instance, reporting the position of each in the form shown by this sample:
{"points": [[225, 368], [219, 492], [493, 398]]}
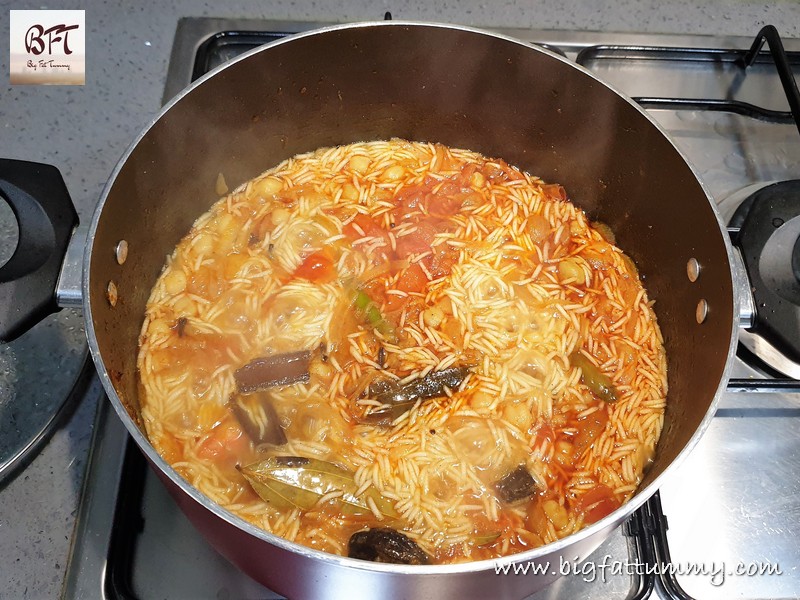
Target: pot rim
{"points": [[608, 523]]}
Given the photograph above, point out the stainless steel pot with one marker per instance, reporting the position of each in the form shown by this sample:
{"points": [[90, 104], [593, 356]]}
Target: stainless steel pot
{"points": [[454, 85]]}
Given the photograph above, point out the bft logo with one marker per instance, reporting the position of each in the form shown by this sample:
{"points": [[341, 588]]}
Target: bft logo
{"points": [[35, 38], [48, 47]]}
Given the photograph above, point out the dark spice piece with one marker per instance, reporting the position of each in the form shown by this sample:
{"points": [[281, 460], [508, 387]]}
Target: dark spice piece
{"points": [[382, 356], [271, 371], [383, 544], [402, 398], [180, 326], [386, 415], [516, 485], [433, 385]]}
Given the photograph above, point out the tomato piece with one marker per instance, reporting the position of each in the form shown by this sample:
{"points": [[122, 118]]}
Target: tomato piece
{"points": [[445, 206], [413, 279], [420, 239], [597, 503], [225, 441], [503, 171], [446, 201], [363, 223], [170, 448], [374, 289], [545, 432], [408, 200], [416, 201], [395, 303], [467, 171], [442, 261], [317, 266], [409, 245], [554, 191], [589, 429]]}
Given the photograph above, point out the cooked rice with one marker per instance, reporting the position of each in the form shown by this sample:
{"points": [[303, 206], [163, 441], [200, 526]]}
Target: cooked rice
{"points": [[533, 282]]}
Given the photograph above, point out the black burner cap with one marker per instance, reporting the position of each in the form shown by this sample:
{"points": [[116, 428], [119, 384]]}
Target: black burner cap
{"points": [[769, 238]]}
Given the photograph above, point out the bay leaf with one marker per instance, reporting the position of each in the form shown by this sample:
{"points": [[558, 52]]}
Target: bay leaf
{"points": [[289, 482], [486, 538]]}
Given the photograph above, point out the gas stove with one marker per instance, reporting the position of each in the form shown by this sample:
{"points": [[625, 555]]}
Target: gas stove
{"points": [[727, 522]]}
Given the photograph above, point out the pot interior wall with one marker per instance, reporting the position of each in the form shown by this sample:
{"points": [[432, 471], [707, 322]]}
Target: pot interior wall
{"points": [[427, 83]]}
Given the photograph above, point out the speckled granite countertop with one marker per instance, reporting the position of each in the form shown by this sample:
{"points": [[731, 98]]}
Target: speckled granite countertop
{"points": [[84, 130]]}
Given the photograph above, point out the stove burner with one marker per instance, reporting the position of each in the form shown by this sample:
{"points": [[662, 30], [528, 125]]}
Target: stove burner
{"points": [[769, 238]]}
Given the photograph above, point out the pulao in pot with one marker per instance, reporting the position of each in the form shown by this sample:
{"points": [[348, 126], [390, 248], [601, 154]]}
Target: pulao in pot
{"points": [[464, 88]]}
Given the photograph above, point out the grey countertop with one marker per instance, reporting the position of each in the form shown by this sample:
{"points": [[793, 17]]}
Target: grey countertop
{"points": [[84, 130]]}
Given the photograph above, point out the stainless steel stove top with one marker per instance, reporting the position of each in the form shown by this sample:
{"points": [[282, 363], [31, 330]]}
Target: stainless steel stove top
{"points": [[732, 509]]}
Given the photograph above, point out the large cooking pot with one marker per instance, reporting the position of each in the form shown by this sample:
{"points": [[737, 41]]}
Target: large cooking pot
{"points": [[461, 87]]}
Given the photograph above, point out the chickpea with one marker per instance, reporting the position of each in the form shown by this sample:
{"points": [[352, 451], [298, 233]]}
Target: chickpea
{"points": [[564, 453], [228, 232], [570, 269], [321, 370], [203, 244], [349, 192], [185, 306], [359, 164], [538, 228], [481, 400], [158, 327], [394, 173], [175, 281], [556, 514], [477, 179], [433, 316], [605, 231], [280, 215], [517, 414], [630, 266], [269, 186]]}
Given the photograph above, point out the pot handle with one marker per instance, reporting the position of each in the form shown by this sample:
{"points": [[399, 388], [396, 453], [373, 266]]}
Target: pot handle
{"points": [[46, 219], [741, 287]]}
